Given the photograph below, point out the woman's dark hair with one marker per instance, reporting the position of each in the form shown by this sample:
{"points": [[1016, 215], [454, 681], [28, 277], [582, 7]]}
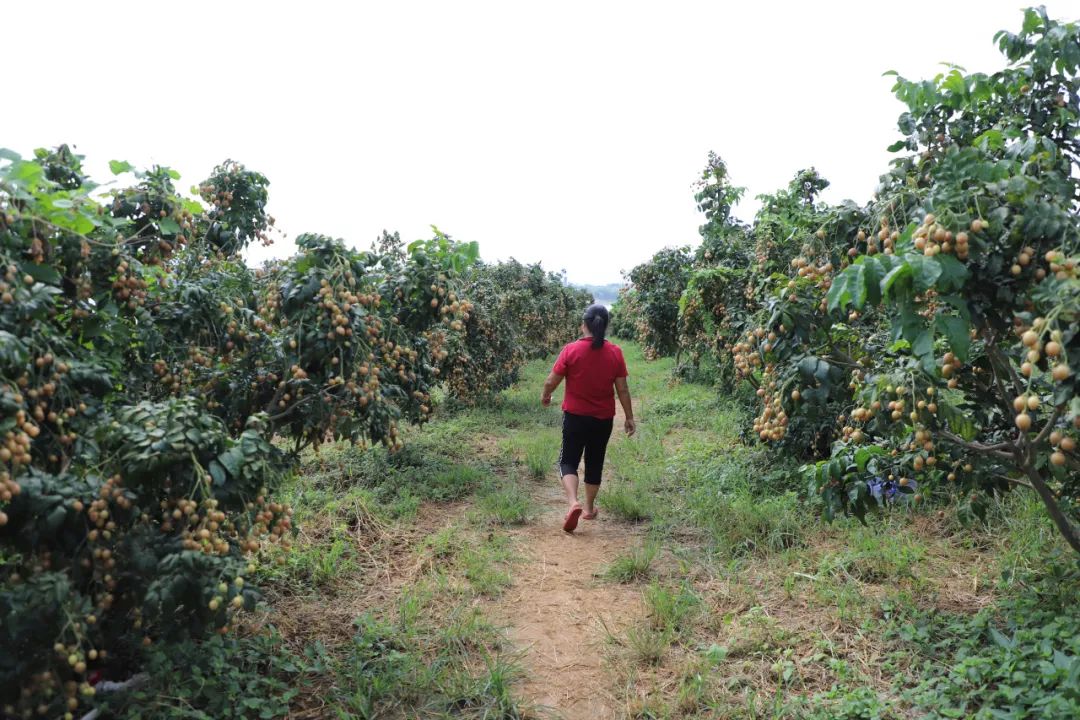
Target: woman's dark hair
{"points": [[596, 319]]}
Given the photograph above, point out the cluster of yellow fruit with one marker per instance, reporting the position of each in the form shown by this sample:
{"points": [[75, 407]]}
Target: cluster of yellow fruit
{"points": [[1062, 444], [1062, 266], [950, 367], [47, 684], [1031, 339], [41, 403], [932, 238], [745, 355], [128, 287], [887, 237], [772, 423], [221, 193], [806, 268]]}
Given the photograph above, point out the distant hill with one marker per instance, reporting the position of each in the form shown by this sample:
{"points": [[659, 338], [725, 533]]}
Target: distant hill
{"points": [[603, 294]]}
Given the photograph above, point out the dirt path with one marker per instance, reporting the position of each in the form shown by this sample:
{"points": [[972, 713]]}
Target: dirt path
{"points": [[560, 612]]}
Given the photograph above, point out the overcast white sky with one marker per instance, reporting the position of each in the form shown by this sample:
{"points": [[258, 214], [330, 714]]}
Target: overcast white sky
{"points": [[565, 132]]}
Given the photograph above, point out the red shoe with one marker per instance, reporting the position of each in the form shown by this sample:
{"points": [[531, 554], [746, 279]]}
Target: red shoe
{"points": [[571, 518], [592, 515]]}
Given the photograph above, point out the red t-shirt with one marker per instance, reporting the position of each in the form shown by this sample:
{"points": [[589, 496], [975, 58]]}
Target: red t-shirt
{"points": [[590, 377]]}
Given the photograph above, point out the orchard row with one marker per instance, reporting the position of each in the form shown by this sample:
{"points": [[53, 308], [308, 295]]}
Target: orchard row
{"points": [[926, 339], [154, 390]]}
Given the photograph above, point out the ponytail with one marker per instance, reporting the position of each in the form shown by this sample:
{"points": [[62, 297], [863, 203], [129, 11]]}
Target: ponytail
{"points": [[596, 320]]}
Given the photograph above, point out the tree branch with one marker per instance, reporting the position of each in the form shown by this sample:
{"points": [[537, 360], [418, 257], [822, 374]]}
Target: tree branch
{"points": [[1015, 481], [994, 358], [1003, 450], [1049, 425], [1067, 529]]}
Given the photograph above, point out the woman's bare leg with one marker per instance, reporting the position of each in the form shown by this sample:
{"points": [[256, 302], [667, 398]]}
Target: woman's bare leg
{"points": [[590, 498], [570, 485]]}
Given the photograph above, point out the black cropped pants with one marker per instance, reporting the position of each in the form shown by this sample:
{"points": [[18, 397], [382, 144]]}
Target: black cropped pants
{"points": [[586, 435]]}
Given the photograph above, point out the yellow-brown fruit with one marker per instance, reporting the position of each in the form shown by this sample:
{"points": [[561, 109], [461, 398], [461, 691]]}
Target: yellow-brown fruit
{"points": [[1057, 458], [1068, 444], [1029, 338], [1061, 371], [1023, 422], [1053, 349]]}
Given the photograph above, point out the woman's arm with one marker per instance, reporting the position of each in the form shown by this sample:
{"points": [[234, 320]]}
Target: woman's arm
{"points": [[550, 384], [623, 391]]}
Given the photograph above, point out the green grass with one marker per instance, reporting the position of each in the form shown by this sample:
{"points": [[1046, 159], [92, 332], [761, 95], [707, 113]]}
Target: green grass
{"points": [[632, 566], [759, 610], [629, 502], [672, 608], [647, 645], [408, 661], [507, 503], [715, 641], [430, 652], [484, 565], [537, 449]]}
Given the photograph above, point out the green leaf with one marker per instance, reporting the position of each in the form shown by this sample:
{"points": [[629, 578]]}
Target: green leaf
{"points": [[849, 287], [865, 453], [119, 167], [992, 139], [28, 173], [857, 283], [954, 83], [41, 273], [1000, 639], [169, 226], [56, 518], [192, 206], [232, 459], [217, 472], [899, 272], [957, 332], [92, 327], [925, 271], [923, 348], [6, 154], [957, 421], [953, 273], [872, 276], [1032, 21]]}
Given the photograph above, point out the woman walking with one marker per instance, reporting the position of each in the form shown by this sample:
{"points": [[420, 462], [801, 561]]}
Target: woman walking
{"points": [[592, 366]]}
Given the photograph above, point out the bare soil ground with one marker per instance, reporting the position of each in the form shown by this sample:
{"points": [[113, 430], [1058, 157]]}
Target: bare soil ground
{"points": [[559, 613]]}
